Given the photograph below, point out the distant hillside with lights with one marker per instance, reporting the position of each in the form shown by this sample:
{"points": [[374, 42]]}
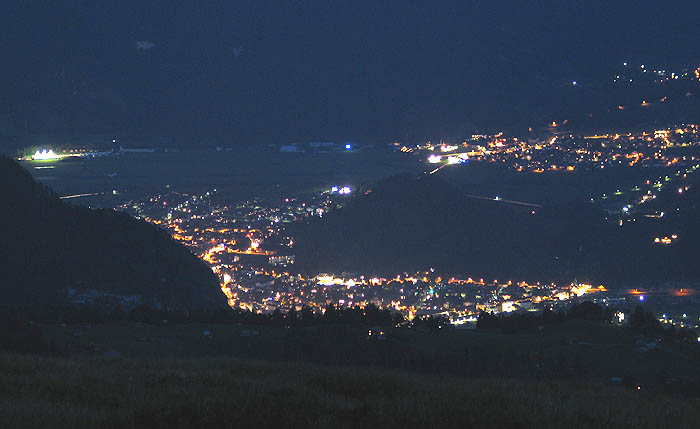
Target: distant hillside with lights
{"points": [[405, 224], [619, 107], [53, 252]]}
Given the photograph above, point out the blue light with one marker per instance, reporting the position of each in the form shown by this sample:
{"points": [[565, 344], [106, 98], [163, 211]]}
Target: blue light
{"points": [[348, 146], [641, 297]]}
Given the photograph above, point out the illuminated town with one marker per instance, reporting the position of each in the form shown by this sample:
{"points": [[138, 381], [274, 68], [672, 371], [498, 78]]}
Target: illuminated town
{"points": [[254, 277], [247, 246], [350, 214], [563, 151]]}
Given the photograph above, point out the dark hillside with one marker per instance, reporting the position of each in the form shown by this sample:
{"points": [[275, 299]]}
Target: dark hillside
{"points": [[407, 224], [51, 249]]}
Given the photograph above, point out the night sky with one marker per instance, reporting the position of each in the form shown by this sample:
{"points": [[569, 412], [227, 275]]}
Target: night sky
{"points": [[259, 72]]}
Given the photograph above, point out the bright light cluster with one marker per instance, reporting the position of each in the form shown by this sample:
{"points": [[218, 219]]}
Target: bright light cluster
{"points": [[341, 190], [665, 240], [451, 159], [459, 159], [45, 154]]}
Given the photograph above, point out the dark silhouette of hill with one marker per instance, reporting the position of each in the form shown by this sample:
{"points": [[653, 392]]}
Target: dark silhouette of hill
{"points": [[614, 108], [51, 249], [404, 224]]}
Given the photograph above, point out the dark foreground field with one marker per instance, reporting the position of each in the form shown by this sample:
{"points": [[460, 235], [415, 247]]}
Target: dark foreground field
{"points": [[217, 392]]}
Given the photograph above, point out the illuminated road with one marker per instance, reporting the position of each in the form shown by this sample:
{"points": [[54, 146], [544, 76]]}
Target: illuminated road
{"points": [[479, 197], [66, 197], [501, 200]]}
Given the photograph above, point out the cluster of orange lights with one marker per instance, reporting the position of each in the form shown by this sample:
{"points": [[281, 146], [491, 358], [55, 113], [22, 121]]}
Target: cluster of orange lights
{"points": [[645, 103], [666, 240], [675, 292]]}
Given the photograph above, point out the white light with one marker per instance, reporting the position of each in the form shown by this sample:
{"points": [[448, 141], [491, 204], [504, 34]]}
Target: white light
{"points": [[45, 154], [434, 159]]}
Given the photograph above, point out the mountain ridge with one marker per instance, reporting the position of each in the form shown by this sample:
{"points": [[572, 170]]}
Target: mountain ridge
{"points": [[54, 252], [409, 224]]}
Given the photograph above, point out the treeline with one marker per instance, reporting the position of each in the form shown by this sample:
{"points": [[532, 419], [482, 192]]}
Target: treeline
{"points": [[647, 324], [340, 336], [23, 335], [522, 322], [641, 321], [331, 315]]}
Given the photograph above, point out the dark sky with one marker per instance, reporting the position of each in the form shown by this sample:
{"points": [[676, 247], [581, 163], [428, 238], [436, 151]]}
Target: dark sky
{"points": [[275, 72]]}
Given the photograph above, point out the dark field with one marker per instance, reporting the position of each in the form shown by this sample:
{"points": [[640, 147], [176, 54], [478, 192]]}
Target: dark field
{"points": [[247, 173], [219, 392], [237, 175]]}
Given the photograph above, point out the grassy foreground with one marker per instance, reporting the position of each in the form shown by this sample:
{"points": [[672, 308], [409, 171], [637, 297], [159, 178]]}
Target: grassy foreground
{"points": [[216, 392]]}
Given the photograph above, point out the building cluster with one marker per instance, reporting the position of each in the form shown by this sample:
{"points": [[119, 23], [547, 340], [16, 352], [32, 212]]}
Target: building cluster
{"points": [[629, 204], [567, 152], [212, 229], [246, 246], [638, 74], [671, 155], [418, 294], [318, 147]]}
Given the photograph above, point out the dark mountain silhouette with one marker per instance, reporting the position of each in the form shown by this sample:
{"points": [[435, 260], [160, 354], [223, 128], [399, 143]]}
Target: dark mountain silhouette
{"points": [[53, 253], [404, 224]]}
